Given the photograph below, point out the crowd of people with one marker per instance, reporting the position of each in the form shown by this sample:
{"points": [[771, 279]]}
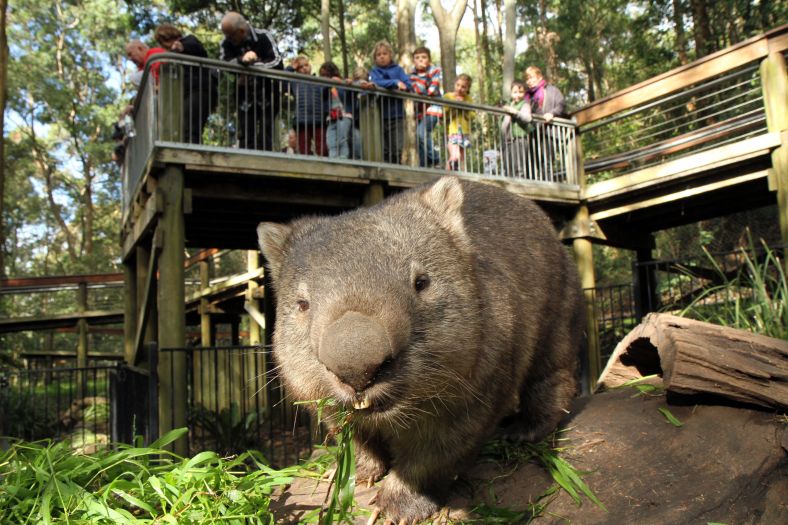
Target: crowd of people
{"points": [[325, 119]]}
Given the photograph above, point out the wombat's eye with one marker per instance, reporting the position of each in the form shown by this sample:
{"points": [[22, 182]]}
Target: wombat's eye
{"points": [[303, 306], [421, 282]]}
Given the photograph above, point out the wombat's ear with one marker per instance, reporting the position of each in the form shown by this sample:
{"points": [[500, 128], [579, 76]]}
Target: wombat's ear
{"points": [[272, 237], [445, 197]]}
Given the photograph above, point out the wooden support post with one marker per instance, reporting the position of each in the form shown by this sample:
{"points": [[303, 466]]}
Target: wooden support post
{"points": [[775, 98], [207, 334], [410, 155], [373, 194], [129, 309], [172, 317], [255, 359], [82, 344], [369, 126], [203, 365], [584, 258], [252, 264]]}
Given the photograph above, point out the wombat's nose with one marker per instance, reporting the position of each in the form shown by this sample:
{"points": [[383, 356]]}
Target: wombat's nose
{"points": [[353, 347]]}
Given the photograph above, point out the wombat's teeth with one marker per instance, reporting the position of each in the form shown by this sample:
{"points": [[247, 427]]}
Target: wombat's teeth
{"points": [[361, 404]]}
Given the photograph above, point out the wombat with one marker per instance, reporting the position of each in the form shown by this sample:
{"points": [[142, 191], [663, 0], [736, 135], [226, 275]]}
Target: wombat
{"points": [[432, 316]]}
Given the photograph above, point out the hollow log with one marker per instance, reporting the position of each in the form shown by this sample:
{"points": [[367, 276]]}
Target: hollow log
{"points": [[694, 357]]}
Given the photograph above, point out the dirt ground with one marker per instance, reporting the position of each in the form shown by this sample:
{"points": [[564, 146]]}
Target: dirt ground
{"points": [[725, 464]]}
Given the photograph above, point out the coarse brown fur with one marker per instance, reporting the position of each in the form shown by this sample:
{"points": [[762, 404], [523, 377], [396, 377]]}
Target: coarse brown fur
{"points": [[446, 308]]}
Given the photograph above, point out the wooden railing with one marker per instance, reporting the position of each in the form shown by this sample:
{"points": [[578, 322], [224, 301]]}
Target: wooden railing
{"points": [[708, 103], [224, 123]]}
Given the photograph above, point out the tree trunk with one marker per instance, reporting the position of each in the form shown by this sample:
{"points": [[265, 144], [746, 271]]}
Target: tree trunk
{"points": [[325, 28], [479, 56], [3, 95], [486, 54], [694, 357], [406, 32], [678, 25], [448, 23], [343, 38], [701, 28], [509, 46]]}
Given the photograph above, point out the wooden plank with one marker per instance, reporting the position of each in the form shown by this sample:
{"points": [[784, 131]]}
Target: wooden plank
{"points": [[705, 68], [298, 195], [227, 160], [676, 196], [236, 281], [145, 304], [685, 166], [21, 324], [32, 282], [143, 223], [202, 255]]}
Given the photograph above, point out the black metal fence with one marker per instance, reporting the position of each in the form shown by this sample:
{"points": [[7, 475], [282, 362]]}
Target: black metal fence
{"points": [[90, 406], [236, 402]]}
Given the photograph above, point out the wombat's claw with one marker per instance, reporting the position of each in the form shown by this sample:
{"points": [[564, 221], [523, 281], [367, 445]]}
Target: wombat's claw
{"points": [[373, 517], [373, 500], [329, 474]]}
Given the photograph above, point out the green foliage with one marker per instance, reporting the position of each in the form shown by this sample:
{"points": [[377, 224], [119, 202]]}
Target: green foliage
{"points": [[62, 100], [753, 299], [47, 483], [228, 431], [343, 480]]}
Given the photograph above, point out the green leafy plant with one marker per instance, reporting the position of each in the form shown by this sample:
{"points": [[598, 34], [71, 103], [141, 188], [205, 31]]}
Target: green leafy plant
{"points": [[340, 502], [46, 482], [228, 430], [753, 299]]}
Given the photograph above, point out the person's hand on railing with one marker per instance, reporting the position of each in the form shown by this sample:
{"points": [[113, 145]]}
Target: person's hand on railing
{"points": [[249, 58], [548, 117]]}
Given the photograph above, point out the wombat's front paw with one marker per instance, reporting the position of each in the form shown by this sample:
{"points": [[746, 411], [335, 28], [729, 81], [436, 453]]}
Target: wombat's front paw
{"points": [[399, 503], [369, 469]]}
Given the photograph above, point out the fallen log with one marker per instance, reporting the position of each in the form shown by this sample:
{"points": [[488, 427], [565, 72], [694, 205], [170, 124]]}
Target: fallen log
{"points": [[694, 357]]}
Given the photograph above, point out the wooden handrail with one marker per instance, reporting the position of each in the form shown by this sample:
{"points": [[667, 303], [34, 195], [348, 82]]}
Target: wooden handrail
{"points": [[702, 69], [738, 124], [27, 282]]}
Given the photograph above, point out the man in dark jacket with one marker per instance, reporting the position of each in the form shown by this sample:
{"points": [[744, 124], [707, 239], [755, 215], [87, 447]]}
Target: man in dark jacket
{"points": [[257, 96], [200, 83]]}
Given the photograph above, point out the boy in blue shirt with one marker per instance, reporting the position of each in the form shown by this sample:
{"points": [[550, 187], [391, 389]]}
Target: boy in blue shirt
{"points": [[389, 75]]}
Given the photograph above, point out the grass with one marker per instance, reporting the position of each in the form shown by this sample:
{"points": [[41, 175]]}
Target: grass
{"points": [[48, 483], [753, 299], [565, 476]]}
